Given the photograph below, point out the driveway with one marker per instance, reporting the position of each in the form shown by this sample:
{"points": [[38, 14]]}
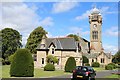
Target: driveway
{"points": [[100, 74]]}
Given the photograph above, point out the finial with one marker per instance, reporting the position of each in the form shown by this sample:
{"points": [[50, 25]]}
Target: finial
{"points": [[94, 5]]}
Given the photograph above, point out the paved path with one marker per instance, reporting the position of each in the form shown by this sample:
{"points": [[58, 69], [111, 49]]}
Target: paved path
{"points": [[100, 74]]}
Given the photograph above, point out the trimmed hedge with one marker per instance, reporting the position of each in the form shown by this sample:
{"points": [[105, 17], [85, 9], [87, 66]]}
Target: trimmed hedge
{"points": [[70, 64], [87, 64], [113, 64], [22, 64], [108, 67], [49, 67], [95, 64]]}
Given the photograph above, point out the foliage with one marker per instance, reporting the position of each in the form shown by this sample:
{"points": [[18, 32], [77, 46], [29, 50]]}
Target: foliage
{"points": [[22, 64], [74, 36], [108, 67], [11, 41], [34, 39], [85, 59], [87, 64], [52, 59], [5, 62], [49, 67], [95, 64], [116, 58], [70, 64], [10, 58], [113, 64]]}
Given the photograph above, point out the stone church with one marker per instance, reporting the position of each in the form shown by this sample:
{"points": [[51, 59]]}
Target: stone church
{"points": [[65, 47]]}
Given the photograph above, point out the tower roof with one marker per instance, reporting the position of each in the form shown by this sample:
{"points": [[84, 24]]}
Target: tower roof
{"points": [[95, 11]]}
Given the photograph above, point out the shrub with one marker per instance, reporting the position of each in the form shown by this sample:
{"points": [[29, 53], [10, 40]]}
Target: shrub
{"points": [[11, 57], [5, 62], [70, 64], [113, 64], [95, 64], [85, 59], [22, 64], [49, 67], [108, 67], [87, 64]]}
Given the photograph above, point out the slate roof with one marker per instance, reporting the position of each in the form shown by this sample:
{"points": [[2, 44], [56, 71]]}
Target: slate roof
{"points": [[60, 43], [95, 55]]}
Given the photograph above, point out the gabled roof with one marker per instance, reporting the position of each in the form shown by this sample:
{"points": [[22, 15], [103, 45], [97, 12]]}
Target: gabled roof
{"points": [[60, 43]]}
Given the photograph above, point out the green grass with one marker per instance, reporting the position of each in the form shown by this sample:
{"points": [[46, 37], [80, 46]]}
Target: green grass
{"points": [[113, 76], [37, 72], [98, 68]]}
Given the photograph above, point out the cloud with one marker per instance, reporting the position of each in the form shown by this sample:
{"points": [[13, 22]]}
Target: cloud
{"points": [[83, 16], [22, 18], [48, 21], [63, 6], [103, 10], [113, 31], [79, 30], [110, 48]]}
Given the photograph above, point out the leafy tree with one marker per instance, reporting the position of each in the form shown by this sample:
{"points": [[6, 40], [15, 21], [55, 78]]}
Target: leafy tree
{"points": [[116, 57], [85, 59], [11, 41], [52, 59], [70, 64], [22, 64], [34, 39], [74, 36]]}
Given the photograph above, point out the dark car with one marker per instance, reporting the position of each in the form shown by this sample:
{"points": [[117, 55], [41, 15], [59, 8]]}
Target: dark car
{"points": [[84, 72]]}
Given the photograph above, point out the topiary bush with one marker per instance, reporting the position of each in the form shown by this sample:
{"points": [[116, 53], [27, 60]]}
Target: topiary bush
{"points": [[87, 64], [95, 64], [49, 67], [22, 64], [70, 64], [113, 64], [108, 67]]}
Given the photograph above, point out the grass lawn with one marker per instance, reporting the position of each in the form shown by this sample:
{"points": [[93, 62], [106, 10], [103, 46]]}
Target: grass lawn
{"points": [[113, 76], [98, 69], [37, 72]]}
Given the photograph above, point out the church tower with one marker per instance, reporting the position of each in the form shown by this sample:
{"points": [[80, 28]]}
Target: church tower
{"points": [[95, 20]]}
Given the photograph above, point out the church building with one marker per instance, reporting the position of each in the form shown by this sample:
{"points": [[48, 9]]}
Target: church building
{"points": [[65, 47]]}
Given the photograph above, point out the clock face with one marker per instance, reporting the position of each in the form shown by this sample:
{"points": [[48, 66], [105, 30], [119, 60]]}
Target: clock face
{"points": [[94, 26]]}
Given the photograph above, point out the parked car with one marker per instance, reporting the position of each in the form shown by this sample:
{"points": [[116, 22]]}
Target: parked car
{"points": [[84, 72]]}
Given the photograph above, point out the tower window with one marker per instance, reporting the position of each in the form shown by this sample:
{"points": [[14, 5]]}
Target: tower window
{"points": [[95, 35]]}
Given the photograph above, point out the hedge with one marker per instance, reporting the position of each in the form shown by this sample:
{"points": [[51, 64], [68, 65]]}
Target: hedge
{"points": [[22, 64], [113, 64], [108, 67], [95, 64], [49, 67], [87, 64], [70, 64]]}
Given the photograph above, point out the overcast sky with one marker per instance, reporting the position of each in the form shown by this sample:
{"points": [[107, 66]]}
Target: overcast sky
{"points": [[60, 19]]}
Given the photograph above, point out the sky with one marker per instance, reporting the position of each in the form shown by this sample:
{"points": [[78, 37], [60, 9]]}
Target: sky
{"points": [[60, 19]]}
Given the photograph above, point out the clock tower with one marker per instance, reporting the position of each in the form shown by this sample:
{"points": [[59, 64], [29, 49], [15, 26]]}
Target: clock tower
{"points": [[95, 20]]}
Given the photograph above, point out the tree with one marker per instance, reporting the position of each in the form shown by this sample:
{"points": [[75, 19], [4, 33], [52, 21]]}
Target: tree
{"points": [[52, 59], [11, 41], [116, 57], [74, 36], [70, 64], [85, 60], [34, 39], [22, 64]]}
